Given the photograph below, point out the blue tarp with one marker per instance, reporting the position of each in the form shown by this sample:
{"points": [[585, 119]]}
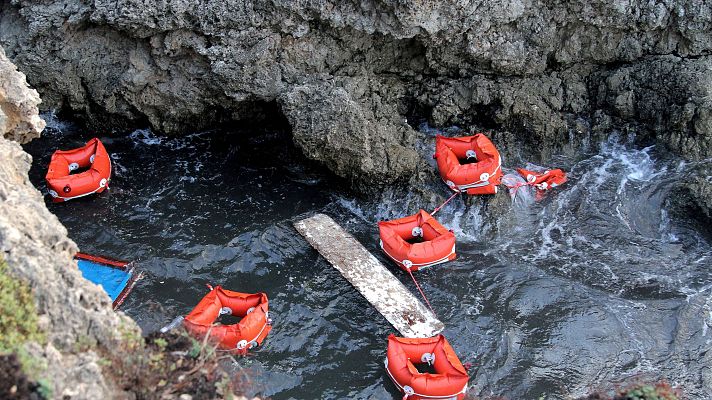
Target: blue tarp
{"points": [[113, 280]]}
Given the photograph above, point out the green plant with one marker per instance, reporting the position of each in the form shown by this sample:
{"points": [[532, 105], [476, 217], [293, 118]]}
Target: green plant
{"points": [[18, 313], [130, 337], [161, 343], [658, 391], [195, 348], [18, 325], [44, 388], [31, 366]]}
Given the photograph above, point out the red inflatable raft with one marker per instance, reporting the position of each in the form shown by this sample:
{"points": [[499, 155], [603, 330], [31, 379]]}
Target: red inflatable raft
{"points": [[469, 163], [250, 332], [65, 185], [449, 380], [417, 241], [543, 180]]}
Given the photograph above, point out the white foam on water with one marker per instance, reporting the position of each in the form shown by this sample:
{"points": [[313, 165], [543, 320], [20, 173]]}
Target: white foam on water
{"points": [[55, 125], [522, 195], [465, 223], [607, 225], [145, 137], [116, 163]]}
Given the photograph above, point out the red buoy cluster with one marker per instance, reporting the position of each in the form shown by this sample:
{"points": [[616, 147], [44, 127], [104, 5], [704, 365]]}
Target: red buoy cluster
{"points": [[467, 164], [421, 368]]}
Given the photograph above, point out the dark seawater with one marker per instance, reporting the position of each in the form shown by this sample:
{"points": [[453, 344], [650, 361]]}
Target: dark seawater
{"points": [[592, 284]]}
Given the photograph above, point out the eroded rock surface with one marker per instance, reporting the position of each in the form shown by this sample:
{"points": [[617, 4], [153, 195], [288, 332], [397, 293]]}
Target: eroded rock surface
{"points": [[74, 312], [347, 74], [670, 95], [355, 129], [19, 119]]}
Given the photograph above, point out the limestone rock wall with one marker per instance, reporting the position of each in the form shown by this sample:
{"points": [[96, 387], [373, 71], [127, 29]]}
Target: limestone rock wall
{"points": [[347, 74], [19, 118], [671, 95], [73, 311]]}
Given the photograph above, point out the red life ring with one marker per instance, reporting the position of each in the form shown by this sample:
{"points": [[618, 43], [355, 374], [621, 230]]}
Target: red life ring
{"points": [[63, 185], [240, 337], [479, 177], [437, 246], [543, 180], [449, 380]]}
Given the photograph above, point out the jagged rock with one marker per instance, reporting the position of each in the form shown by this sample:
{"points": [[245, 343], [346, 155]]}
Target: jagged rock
{"points": [[37, 250], [536, 108], [340, 123], [74, 376], [19, 119], [72, 310], [693, 195], [530, 68], [668, 94]]}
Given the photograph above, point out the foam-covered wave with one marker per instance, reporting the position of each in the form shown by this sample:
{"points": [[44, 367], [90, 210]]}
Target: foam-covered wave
{"points": [[608, 225]]}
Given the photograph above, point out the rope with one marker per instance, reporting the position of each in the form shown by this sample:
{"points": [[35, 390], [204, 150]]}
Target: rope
{"points": [[446, 201], [421, 292], [517, 186]]}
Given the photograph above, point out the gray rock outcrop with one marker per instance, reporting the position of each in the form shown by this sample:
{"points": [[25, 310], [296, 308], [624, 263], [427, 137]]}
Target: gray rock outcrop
{"points": [[73, 311], [356, 129], [346, 74], [670, 95]]}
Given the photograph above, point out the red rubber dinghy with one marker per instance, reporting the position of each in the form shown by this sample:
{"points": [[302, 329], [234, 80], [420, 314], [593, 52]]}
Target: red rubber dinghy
{"points": [[543, 180], [449, 380], [436, 243], [469, 163], [250, 332], [64, 185]]}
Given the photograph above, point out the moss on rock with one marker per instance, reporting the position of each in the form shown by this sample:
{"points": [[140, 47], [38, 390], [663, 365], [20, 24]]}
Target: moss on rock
{"points": [[18, 313]]}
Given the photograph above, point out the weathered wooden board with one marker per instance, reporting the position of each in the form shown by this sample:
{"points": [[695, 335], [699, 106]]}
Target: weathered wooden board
{"points": [[387, 294]]}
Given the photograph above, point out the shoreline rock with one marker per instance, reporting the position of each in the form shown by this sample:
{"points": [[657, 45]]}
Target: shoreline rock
{"points": [[37, 250]]}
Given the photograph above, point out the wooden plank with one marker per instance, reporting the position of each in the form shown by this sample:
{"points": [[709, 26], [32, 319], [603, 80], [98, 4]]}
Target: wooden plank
{"points": [[387, 294]]}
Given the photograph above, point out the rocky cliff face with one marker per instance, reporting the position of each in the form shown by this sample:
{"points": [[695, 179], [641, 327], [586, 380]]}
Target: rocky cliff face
{"points": [[73, 312], [349, 75], [19, 118]]}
